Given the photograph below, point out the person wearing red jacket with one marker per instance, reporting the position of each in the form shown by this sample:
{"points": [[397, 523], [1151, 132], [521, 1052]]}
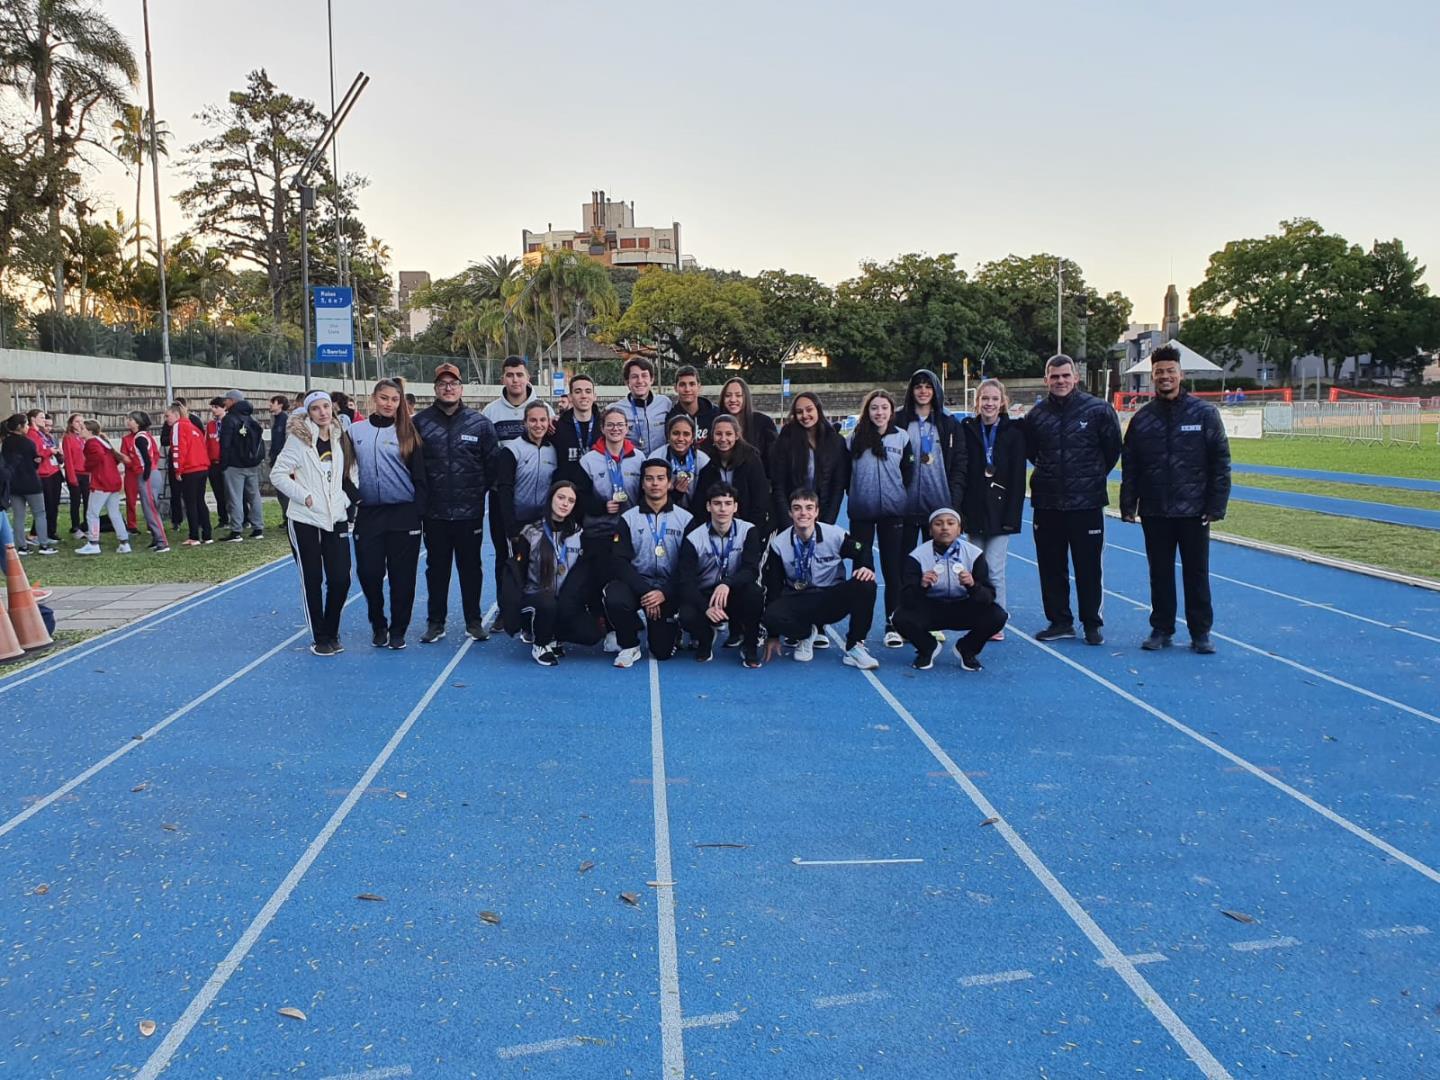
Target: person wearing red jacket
{"points": [[191, 464], [132, 478], [212, 448], [77, 480], [51, 479], [103, 462]]}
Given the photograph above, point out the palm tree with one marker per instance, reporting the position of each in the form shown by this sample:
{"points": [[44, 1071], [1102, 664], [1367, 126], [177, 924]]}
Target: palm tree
{"points": [[70, 60], [573, 282], [130, 142]]}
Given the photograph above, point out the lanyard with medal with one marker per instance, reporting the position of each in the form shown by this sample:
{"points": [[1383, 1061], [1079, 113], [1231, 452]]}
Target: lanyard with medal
{"points": [[927, 442], [722, 557], [635, 416], [686, 468], [988, 435], [583, 440], [804, 551], [562, 553], [617, 477], [955, 554], [659, 534]]}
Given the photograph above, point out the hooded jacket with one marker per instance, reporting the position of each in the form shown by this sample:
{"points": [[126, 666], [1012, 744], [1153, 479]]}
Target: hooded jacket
{"points": [[20, 454], [914, 594], [509, 420], [705, 411], [299, 473], [941, 482], [750, 482], [461, 453], [1176, 460], [242, 443], [832, 473], [188, 453], [994, 504], [1074, 442]]}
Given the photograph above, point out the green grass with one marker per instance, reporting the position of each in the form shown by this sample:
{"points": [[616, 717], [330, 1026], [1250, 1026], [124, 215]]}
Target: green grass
{"points": [[1425, 500], [215, 563], [1390, 547], [1332, 455]]}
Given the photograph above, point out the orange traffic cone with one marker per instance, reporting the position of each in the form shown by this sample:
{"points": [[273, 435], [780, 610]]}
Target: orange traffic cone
{"points": [[9, 643], [24, 612]]}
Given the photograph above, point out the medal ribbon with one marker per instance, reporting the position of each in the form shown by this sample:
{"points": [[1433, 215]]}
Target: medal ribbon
{"points": [[988, 435], [722, 557], [927, 438], [617, 475], [804, 551], [562, 553], [655, 530]]}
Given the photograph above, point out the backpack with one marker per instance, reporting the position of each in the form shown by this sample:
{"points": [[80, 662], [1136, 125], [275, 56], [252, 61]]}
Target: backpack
{"points": [[249, 443]]}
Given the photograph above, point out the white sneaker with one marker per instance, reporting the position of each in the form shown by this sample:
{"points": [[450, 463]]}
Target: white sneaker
{"points": [[627, 657], [820, 639], [123, 549], [544, 655], [88, 549], [804, 649], [612, 644], [938, 635], [859, 656], [893, 640]]}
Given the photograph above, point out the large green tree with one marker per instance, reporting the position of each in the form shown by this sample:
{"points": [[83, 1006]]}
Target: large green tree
{"points": [[1023, 294], [74, 67], [694, 317]]}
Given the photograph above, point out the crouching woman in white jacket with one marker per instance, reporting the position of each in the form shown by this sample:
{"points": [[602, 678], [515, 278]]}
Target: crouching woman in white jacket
{"points": [[316, 472]]}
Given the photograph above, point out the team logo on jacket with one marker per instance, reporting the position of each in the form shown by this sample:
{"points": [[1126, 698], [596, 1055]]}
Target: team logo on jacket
{"points": [[1189, 427], [1082, 424]]}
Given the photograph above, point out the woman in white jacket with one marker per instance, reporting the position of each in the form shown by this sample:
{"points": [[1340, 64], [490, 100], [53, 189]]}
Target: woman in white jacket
{"points": [[316, 472]]}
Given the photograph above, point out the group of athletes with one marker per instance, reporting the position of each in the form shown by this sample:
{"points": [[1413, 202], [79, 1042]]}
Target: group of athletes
{"points": [[674, 517]]}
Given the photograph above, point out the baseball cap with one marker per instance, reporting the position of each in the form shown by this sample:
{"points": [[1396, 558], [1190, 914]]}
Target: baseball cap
{"points": [[448, 369]]}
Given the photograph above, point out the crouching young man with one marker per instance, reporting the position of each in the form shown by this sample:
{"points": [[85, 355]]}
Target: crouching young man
{"points": [[806, 586], [719, 578], [648, 539], [945, 585]]}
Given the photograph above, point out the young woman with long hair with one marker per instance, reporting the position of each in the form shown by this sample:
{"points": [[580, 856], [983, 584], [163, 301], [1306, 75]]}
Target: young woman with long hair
{"points": [[77, 480], [391, 482], [809, 453], [735, 462], [316, 471], [547, 585], [685, 457], [882, 463], [995, 483], [756, 428], [102, 462], [143, 455], [22, 459]]}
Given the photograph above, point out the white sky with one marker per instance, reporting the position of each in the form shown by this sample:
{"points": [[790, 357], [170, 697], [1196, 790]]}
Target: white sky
{"points": [[1133, 138]]}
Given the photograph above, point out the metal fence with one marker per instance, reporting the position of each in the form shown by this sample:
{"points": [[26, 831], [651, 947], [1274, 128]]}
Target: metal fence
{"points": [[1373, 422]]}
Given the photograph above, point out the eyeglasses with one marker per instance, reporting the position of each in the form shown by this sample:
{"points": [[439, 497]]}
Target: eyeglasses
{"points": [[447, 384]]}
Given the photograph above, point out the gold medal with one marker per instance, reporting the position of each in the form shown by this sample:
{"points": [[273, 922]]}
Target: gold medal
{"points": [[989, 470], [660, 552], [620, 496], [802, 584]]}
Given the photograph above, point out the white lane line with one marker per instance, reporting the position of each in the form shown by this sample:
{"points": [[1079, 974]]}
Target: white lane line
{"points": [[1204, 1060], [110, 637], [997, 977], [1333, 680], [228, 966], [1396, 931], [1265, 943], [388, 1073], [1299, 600], [1254, 770], [851, 862], [1138, 958], [155, 729], [834, 1001], [719, 1019], [672, 1031], [549, 1046]]}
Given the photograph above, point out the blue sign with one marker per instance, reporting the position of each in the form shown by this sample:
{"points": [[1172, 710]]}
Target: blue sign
{"points": [[557, 384], [334, 325]]}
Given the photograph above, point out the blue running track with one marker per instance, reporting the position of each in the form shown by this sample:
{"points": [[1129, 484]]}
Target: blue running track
{"points": [[687, 870]]}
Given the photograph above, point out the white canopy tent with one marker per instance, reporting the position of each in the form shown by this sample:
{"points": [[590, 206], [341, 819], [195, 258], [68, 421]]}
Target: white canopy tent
{"points": [[1190, 360]]}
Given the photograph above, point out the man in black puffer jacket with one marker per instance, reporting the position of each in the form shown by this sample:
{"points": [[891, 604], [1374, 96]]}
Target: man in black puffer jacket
{"points": [[459, 447], [1074, 440], [1176, 477]]}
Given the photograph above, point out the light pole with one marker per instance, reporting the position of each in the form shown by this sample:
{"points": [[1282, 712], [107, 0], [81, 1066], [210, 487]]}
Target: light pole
{"points": [[159, 232], [1059, 305]]}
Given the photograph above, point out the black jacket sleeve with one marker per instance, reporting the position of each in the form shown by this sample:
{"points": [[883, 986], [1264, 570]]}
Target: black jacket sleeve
{"points": [[687, 576], [859, 554], [907, 465], [955, 459], [983, 591], [752, 555], [142, 447], [773, 574], [1217, 457], [1130, 469], [912, 592], [590, 499], [420, 479], [837, 481], [504, 489], [1110, 437], [781, 483], [755, 493]]}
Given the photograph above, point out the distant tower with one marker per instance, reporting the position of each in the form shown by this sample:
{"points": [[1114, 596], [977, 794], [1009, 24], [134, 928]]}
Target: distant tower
{"points": [[1171, 327]]}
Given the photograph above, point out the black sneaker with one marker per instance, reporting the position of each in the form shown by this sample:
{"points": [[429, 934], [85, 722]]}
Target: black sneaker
{"points": [[1202, 644], [1156, 641], [433, 633], [750, 656], [396, 642], [322, 648], [1056, 631], [475, 628], [235, 538], [733, 641], [257, 535], [380, 638], [704, 653], [968, 662], [1093, 636], [336, 647], [544, 655], [924, 661]]}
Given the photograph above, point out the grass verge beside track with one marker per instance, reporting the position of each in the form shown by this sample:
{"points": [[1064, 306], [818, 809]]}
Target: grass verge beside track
{"points": [[1332, 455], [217, 562], [1425, 500], [1390, 547]]}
